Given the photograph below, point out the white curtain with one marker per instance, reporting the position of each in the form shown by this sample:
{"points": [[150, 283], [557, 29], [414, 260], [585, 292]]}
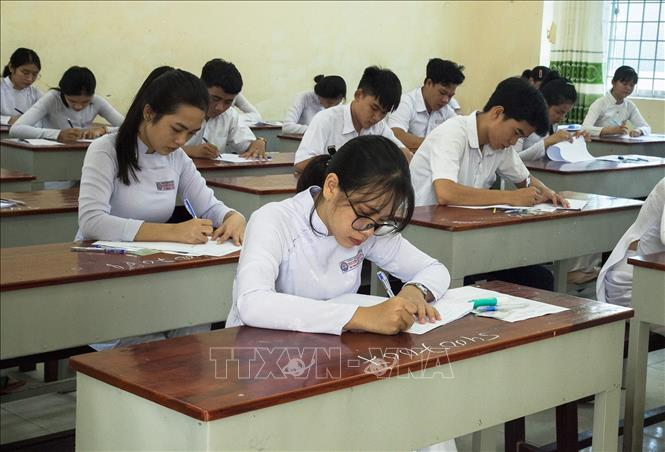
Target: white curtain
{"points": [[577, 52]]}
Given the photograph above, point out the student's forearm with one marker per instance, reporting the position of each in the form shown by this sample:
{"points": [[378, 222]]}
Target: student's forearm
{"points": [[409, 140], [156, 232], [300, 166], [451, 193]]}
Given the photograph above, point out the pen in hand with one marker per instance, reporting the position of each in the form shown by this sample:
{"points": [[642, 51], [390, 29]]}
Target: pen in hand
{"points": [[189, 208], [386, 284], [18, 110]]}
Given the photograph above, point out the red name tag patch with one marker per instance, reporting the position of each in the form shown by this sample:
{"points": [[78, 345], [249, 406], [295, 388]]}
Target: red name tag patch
{"points": [[352, 262], [166, 185]]}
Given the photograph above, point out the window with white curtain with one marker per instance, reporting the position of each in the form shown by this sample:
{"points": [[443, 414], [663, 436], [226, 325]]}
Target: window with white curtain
{"points": [[637, 39]]}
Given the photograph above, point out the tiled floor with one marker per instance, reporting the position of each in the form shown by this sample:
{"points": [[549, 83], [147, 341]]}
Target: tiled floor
{"points": [[56, 412]]}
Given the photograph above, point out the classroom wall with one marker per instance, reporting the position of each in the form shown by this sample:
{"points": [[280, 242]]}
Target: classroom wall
{"points": [[278, 46]]}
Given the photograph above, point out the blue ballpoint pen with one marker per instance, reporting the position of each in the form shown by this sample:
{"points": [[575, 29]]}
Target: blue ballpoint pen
{"points": [[384, 280], [189, 208]]}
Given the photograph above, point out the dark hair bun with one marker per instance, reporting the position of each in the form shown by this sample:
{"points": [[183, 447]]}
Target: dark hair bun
{"points": [[318, 78]]}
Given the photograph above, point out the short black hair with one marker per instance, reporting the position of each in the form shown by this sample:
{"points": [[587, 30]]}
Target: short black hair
{"points": [[382, 84], [521, 101], [558, 90], [625, 74], [223, 74], [330, 86], [444, 72], [77, 81]]}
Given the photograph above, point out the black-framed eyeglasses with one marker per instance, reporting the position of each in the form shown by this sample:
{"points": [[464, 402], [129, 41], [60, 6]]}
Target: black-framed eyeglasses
{"points": [[364, 223]]}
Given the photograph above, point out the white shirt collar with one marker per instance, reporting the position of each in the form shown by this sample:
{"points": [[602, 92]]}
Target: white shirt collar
{"points": [[306, 200], [9, 83], [472, 130], [348, 121], [613, 99], [420, 101]]}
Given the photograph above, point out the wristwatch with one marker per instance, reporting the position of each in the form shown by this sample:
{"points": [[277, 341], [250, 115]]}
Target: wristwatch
{"points": [[427, 295]]}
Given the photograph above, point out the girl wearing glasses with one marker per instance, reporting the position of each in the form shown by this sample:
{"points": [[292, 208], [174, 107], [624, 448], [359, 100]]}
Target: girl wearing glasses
{"points": [[17, 93], [68, 111], [306, 250]]}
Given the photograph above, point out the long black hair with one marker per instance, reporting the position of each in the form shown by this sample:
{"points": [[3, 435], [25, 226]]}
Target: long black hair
{"points": [[371, 166], [21, 57], [77, 81], [164, 90]]}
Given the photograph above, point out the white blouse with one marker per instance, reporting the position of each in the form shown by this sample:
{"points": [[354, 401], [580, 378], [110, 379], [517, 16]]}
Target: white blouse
{"points": [[225, 129], [56, 116], [111, 210], [12, 99], [606, 112], [304, 107], [287, 271]]}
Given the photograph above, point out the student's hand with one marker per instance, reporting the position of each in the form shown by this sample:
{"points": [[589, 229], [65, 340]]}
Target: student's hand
{"points": [[70, 135], [390, 317], [202, 151], [553, 197], [621, 129], [558, 137], [232, 228], [408, 154], [524, 196], [425, 310], [256, 150], [195, 231], [583, 133], [635, 133], [94, 132], [13, 119]]}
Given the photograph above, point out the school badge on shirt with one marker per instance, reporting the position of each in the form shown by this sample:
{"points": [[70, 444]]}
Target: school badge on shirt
{"points": [[166, 185], [352, 262]]}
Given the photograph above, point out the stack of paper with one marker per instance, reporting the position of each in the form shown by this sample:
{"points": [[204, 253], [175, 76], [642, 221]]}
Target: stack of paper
{"points": [[574, 204], [38, 141], [233, 158], [508, 307], [566, 151], [212, 248]]}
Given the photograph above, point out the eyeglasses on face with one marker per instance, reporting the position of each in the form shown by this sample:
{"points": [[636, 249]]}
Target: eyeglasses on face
{"points": [[363, 223]]}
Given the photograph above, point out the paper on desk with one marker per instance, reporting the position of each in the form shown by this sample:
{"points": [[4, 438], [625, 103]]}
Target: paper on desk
{"points": [[575, 204], [509, 308], [449, 310], [38, 141], [212, 248], [85, 140], [265, 123], [233, 158], [628, 158], [566, 151], [6, 204]]}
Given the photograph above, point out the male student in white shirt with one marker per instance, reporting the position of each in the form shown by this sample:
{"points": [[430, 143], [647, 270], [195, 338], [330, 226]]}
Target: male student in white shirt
{"points": [[458, 162], [223, 126], [420, 111], [378, 93]]}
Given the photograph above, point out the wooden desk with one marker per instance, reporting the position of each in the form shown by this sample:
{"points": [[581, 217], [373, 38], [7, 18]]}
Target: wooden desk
{"points": [[649, 303], [269, 132], [47, 163], [48, 216], [653, 145], [281, 163], [289, 142], [4, 131], [233, 389], [625, 180], [12, 180], [477, 241], [54, 299], [247, 194]]}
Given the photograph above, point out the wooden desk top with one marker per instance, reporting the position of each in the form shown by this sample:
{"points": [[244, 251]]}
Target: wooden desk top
{"points": [[264, 126], [24, 267], [11, 142], [7, 175], [460, 219], [270, 184], [654, 138], [4, 128], [593, 166], [188, 374], [42, 202], [655, 261], [290, 136], [278, 159]]}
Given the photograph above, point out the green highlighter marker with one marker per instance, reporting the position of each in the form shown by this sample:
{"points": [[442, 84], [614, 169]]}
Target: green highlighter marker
{"points": [[478, 302]]}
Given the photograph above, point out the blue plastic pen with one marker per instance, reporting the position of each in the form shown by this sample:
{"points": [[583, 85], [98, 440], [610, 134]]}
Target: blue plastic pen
{"points": [[189, 208], [384, 280]]}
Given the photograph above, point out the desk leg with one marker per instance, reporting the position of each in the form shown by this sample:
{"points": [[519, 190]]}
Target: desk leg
{"points": [[483, 440], [606, 420], [636, 378], [561, 269]]}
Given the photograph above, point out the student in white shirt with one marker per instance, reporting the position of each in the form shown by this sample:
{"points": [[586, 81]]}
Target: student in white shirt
{"points": [[378, 93], [328, 91], [458, 162], [67, 112], [645, 236], [536, 75], [248, 112], [131, 178], [223, 126], [609, 114], [302, 252], [420, 111], [17, 93], [560, 95]]}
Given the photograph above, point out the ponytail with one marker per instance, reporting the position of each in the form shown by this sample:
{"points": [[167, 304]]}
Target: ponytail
{"points": [[314, 173]]}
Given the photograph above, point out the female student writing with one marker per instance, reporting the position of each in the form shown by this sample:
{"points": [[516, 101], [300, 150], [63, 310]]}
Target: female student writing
{"points": [[17, 93], [130, 179], [328, 91], [560, 95], [609, 114], [302, 252], [68, 111]]}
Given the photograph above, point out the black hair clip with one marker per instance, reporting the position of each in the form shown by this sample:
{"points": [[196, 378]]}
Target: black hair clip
{"points": [[331, 150]]}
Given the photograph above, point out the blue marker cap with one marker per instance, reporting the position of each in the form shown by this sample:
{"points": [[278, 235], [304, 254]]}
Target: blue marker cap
{"points": [[486, 308]]}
